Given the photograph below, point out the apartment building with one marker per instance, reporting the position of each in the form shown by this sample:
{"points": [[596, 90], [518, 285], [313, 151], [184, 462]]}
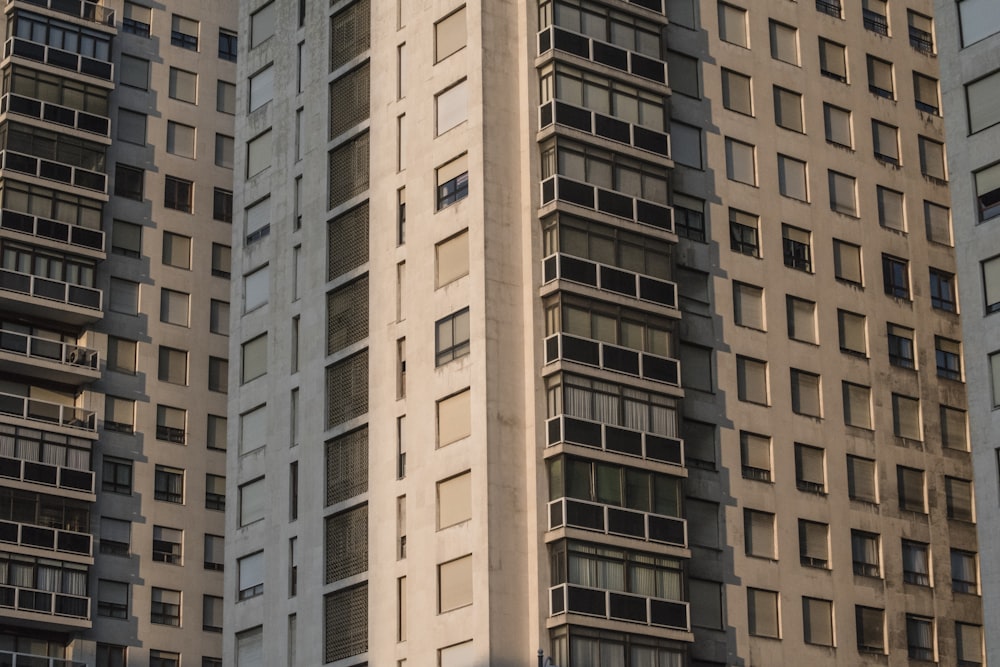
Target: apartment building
{"points": [[969, 33], [472, 243], [116, 122]]}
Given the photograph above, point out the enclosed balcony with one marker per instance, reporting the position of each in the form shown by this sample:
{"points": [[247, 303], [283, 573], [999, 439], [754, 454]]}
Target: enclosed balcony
{"points": [[601, 53], [564, 347], [613, 439], [33, 607], [561, 188], [48, 539], [604, 126], [12, 659], [36, 296], [609, 279], [47, 229], [47, 359], [58, 172], [91, 12], [22, 48], [46, 412], [47, 474], [572, 513], [54, 113], [613, 606]]}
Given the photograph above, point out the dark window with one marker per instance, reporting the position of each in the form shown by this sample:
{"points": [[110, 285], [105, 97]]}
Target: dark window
{"points": [[895, 276], [222, 206], [900, 346], [184, 32], [128, 182], [829, 7], [452, 337], [689, 223], [452, 190], [117, 476], [169, 484], [165, 608], [743, 237], [167, 545], [865, 553], [943, 290], [948, 356], [795, 244], [227, 45], [177, 194]]}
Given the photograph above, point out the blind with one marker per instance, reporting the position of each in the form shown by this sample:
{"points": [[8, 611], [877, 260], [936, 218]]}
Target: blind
{"points": [[170, 417], [984, 102], [116, 530], [937, 219], [137, 12], [756, 451], [183, 85], [842, 196], [818, 620], [784, 44], [454, 418], [809, 464], [119, 410], [261, 88], [455, 583], [452, 107], [258, 154], [906, 417], [925, 90], [752, 380], [250, 648], [115, 592], [857, 406], [801, 319], [258, 216], [184, 25], [253, 429], [262, 24], [831, 57], [134, 71], [221, 258], [911, 488], [131, 126], [450, 35], [759, 533], [124, 296], [215, 546], [959, 493], [254, 358], [852, 332], [813, 540], [890, 209], [763, 606], [788, 109], [792, 178], [748, 303], [454, 500], [174, 307], [251, 570], [847, 261], [838, 125], [256, 288], [736, 92], [216, 432], [459, 655], [180, 139], [740, 162], [979, 20], [453, 169], [886, 141], [879, 74], [732, 24], [177, 250], [861, 478], [452, 259], [932, 158], [253, 498]]}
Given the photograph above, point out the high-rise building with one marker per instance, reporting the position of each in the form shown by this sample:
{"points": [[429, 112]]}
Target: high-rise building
{"points": [[472, 241], [116, 125], [969, 34]]}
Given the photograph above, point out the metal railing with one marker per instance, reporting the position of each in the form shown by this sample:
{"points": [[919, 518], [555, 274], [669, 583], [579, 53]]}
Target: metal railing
{"points": [[54, 171], [51, 290], [921, 40], [875, 22], [50, 413], [56, 113], [45, 602], [614, 439], [81, 9], [49, 474], [34, 347], [611, 605], [614, 358], [608, 278], [50, 539], [23, 48], [607, 127], [829, 8], [610, 520], [11, 659], [54, 230], [561, 39], [614, 203]]}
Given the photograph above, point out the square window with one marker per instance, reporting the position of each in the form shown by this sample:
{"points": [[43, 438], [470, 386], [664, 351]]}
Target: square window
{"points": [[169, 484], [748, 305], [919, 637], [176, 250], [132, 127], [885, 139], [736, 94], [685, 143], [866, 553], [814, 544], [954, 429], [857, 405], [880, 77], [751, 377], [832, 57], [948, 355], [222, 205], [843, 194], [847, 261], [452, 182], [788, 109], [167, 545], [449, 35], [136, 20], [129, 182], [116, 536], [165, 607], [116, 476], [910, 484], [852, 330], [178, 194], [119, 415], [870, 628], [906, 417], [916, 563], [968, 640], [806, 394], [175, 307], [943, 290], [801, 316], [254, 359], [112, 598], [861, 479], [126, 238], [121, 355], [183, 85], [228, 45], [797, 248], [932, 162], [733, 24], [451, 336], [741, 162], [784, 42], [988, 191], [225, 97], [758, 534], [452, 106], [684, 74], [124, 297], [184, 32], [890, 209], [743, 233], [180, 139], [454, 500], [810, 468], [837, 122], [133, 72], [901, 350], [171, 423], [762, 608], [958, 494], [925, 94], [964, 572], [755, 452], [896, 277]]}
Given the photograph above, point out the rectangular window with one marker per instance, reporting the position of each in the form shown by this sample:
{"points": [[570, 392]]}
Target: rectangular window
{"points": [[736, 94], [689, 217], [176, 250], [958, 493], [175, 307], [833, 58], [684, 74], [755, 452], [796, 246], [847, 261], [686, 145], [178, 194], [866, 553], [890, 209], [743, 233], [910, 484], [880, 77], [115, 536], [222, 205], [215, 546], [932, 162], [919, 637], [861, 479], [215, 492], [251, 576], [211, 613], [258, 220], [132, 127], [988, 191], [119, 414], [906, 417], [261, 88], [948, 356], [916, 563], [817, 621], [218, 374], [216, 432], [814, 544], [751, 377], [180, 139], [254, 359], [758, 534], [164, 658], [262, 23], [221, 260], [843, 193], [253, 502], [733, 24], [784, 42], [806, 394], [954, 428], [852, 330], [964, 572], [184, 32], [921, 30], [112, 598], [116, 476], [449, 35], [741, 165], [129, 182], [762, 609], [901, 350], [256, 289], [165, 607], [183, 85], [126, 239], [943, 290], [454, 500], [452, 107], [801, 316], [925, 94], [857, 405], [885, 139], [792, 178], [748, 305], [451, 259], [455, 584], [169, 484], [896, 277], [228, 45], [122, 355], [969, 640], [451, 336], [224, 147], [454, 419], [171, 423], [259, 154], [937, 221], [167, 545], [810, 468], [136, 19], [991, 283], [788, 109], [452, 182]]}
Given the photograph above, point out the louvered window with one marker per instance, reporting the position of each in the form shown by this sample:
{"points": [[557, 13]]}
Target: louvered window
{"points": [[347, 466], [350, 33], [347, 241], [347, 315], [348, 170], [349, 100], [347, 389], [347, 544], [346, 627]]}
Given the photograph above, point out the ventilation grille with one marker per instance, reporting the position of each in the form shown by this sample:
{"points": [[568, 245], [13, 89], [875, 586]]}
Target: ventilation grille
{"points": [[347, 466], [350, 33], [347, 389], [348, 170], [347, 315], [347, 241], [346, 623], [349, 100], [347, 544]]}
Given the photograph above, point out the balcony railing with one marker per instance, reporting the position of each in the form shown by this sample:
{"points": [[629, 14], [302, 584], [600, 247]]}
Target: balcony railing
{"points": [[170, 434], [602, 53], [607, 201], [35, 472], [614, 439], [609, 520], [53, 290], [52, 230], [54, 171], [828, 7], [50, 413], [46, 349], [573, 599], [78, 120], [604, 126], [81, 9], [609, 279], [875, 22], [921, 40], [45, 602], [10, 659], [612, 358], [50, 539], [15, 46]]}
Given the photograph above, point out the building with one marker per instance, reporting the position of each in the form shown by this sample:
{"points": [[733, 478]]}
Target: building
{"points": [[117, 128], [476, 238], [970, 59]]}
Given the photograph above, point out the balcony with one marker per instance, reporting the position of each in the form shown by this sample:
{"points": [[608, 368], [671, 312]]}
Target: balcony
{"points": [[54, 171], [54, 113], [921, 40], [32, 409], [609, 279], [49, 539], [47, 359], [605, 127], [92, 12], [47, 474], [601, 53], [22, 48], [610, 202], [71, 609], [51, 299], [614, 439], [875, 22], [609, 357], [828, 7], [646, 526], [573, 599], [10, 659], [52, 230]]}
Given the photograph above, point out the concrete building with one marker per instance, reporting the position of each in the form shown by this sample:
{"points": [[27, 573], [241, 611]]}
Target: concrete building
{"points": [[472, 241], [969, 33], [116, 123]]}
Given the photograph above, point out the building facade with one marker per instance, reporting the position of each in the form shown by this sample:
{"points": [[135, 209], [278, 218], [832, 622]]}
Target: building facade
{"points": [[117, 132], [472, 242]]}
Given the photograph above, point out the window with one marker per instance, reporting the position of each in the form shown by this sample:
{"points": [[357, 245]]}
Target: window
{"points": [[901, 351], [703, 523], [814, 544], [792, 178], [119, 415], [857, 405], [762, 608], [829, 7], [919, 637], [866, 554], [817, 621], [253, 430], [454, 419], [689, 217], [225, 97], [982, 101], [847, 261], [134, 72], [121, 355], [733, 24], [788, 109], [684, 74], [170, 423], [256, 289], [228, 45], [696, 367], [925, 94], [880, 77], [685, 144], [222, 205], [736, 92], [165, 607], [784, 42], [215, 552], [810, 468], [916, 563], [932, 159], [968, 638], [743, 234], [954, 429], [978, 20], [741, 163], [801, 315], [136, 19], [180, 139], [748, 305], [262, 24], [176, 250], [843, 195], [942, 290], [258, 220], [958, 493], [988, 191], [218, 374], [751, 377], [449, 35], [796, 245], [251, 575], [254, 359], [852, 330], [126, 239], [177, 194], [221, 260], [112, 598], [906, 417], [706, 612], [128, 182], [184, 32], [755, 452], [861, 479], [175, 307], [910, 482], [250, 647], [224, 148], [183, 85], [211, 613], [116, 476], [948, 355], [451, 337], [452, 106], [452, 182], [874, 16], [451, 259], [455, 584], [215, 492], [885, 139], [253, 500], [833, 59], [259, 154], [454, 500], [164, 658], [115, 536], [169, 484], [964, 572], [937, 221], [261, 88], [805, 394], [167, 545], [109, 655], [890, 208], [132, 127], [758, 534], [896, 277]]}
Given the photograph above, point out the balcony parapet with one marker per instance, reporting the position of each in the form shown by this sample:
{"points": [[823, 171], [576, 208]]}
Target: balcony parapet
{"points": [[47, 474], [612, 358], [91, 12], [613, 439], [614, 606], [646, 526], [11, 659], [602, 53], [51, 170], [33, 409], [49, 539], [45, 602], [605, 127], [23, 48], [52, 290], [602, 200], [55, 113], [52, 230], [604, 277]]}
